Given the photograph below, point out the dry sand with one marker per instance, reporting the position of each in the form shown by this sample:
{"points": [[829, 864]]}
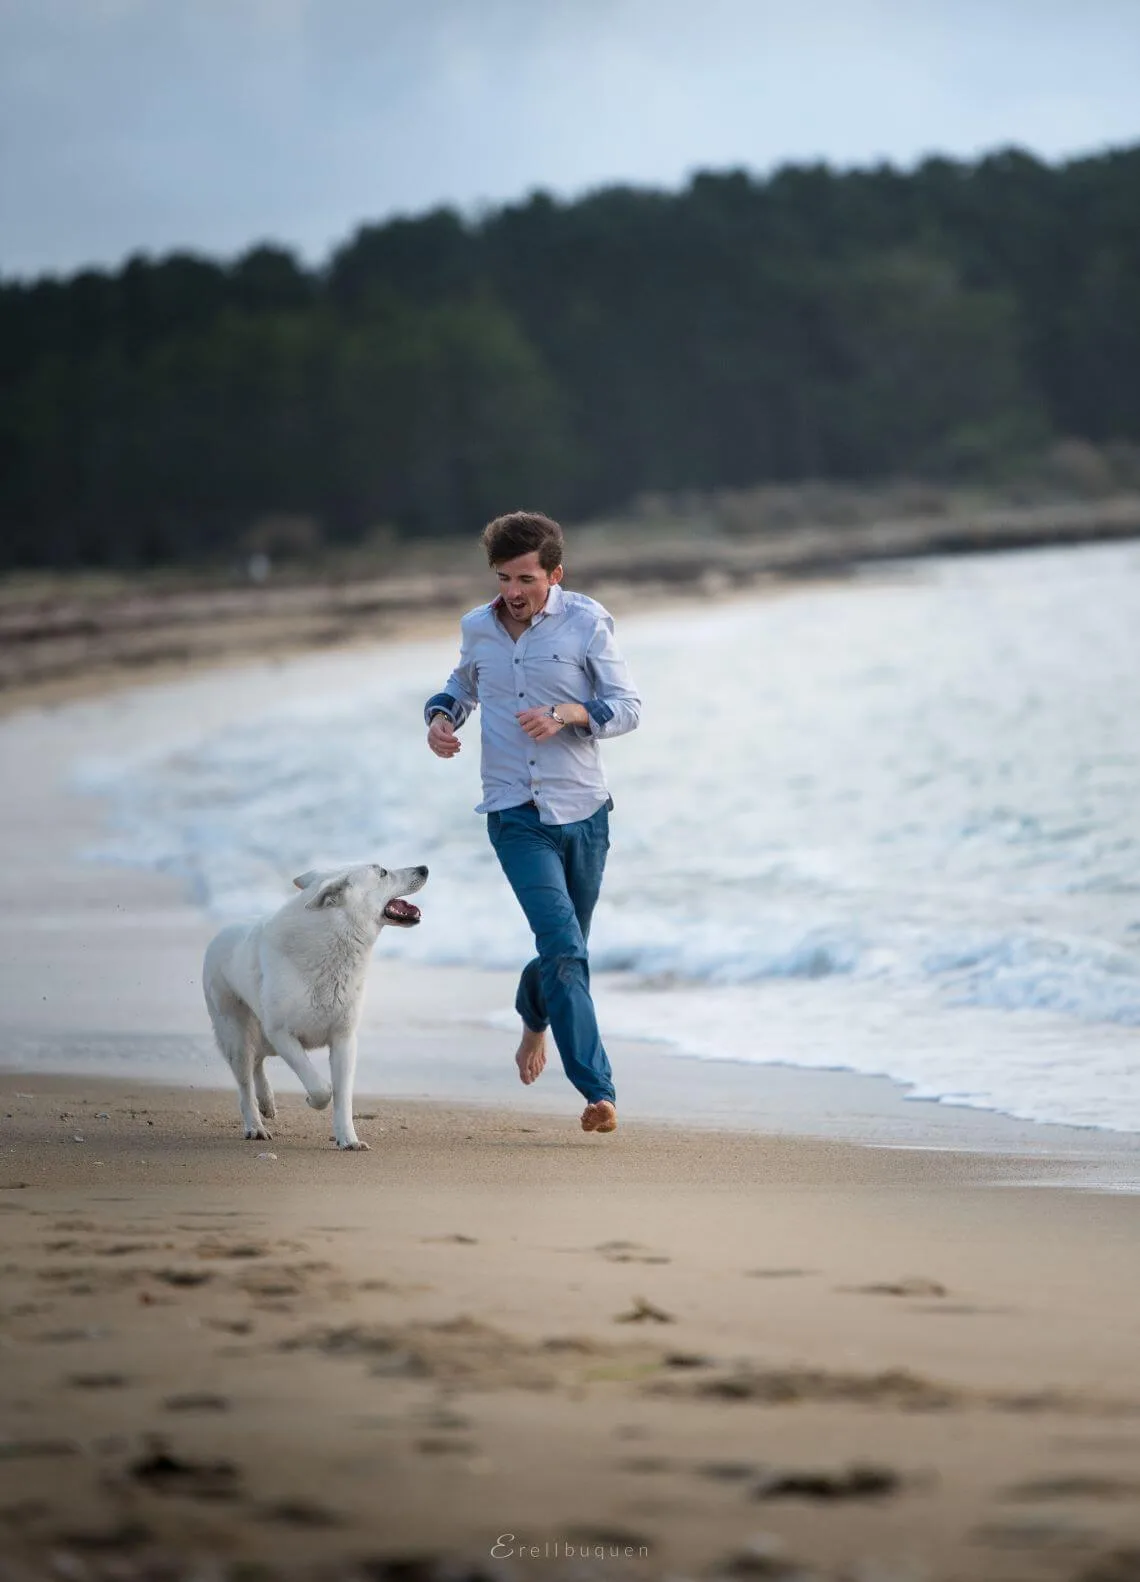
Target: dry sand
{"points": [[745, 1353], [869, 1364]]}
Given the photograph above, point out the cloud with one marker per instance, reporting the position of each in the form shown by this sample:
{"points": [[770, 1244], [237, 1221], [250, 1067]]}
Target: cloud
{"points": [[144, 124]]}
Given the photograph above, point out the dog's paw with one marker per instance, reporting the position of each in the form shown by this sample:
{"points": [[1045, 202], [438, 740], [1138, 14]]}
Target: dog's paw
{"points": [[321, 1100], [352, 1144], [268, 1111], [257, 1134]]}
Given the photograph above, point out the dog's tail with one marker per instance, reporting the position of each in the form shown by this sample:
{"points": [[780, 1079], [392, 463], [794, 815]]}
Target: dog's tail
{"points": [[229, 1014], [229, 1018]]}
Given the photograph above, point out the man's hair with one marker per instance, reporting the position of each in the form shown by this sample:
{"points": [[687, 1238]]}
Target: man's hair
{"points": [[520, 532]]}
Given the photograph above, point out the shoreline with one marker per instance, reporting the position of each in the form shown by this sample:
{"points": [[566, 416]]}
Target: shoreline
{"points": [[95, 919], [52, 646]]}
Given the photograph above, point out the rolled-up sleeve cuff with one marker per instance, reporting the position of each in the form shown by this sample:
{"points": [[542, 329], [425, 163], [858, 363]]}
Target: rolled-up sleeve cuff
{"points": [[443, 703], [599, 711]]}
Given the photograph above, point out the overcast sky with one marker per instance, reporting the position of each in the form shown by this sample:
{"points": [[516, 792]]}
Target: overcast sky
{"points": [[131, 125]]}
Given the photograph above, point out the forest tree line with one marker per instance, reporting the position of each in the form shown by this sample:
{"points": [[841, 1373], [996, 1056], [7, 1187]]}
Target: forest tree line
{"points": [[938, 323]]}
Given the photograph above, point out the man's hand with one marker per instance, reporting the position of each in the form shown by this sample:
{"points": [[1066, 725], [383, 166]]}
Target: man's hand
{"points": [[441, 736], [540, 725]]}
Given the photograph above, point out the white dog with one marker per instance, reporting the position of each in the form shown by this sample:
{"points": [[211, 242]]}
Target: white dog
{"points": [[295, 981]]}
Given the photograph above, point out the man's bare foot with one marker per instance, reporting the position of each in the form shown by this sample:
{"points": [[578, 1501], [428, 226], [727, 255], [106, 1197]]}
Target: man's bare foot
{"points": [[599, 1117], [531, 1055]]}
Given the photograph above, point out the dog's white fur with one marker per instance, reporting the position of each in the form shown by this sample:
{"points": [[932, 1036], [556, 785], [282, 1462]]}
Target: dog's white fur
{"points": [[294, 981]]}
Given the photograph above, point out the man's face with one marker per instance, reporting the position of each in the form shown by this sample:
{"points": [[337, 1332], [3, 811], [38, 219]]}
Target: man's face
{"points": [[524, 585]]}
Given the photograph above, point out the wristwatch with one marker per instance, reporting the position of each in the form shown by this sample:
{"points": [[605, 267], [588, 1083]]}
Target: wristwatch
{"points": [[554, 714]]}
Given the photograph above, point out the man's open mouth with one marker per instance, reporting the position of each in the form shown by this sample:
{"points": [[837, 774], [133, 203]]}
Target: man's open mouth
{"points": [[402, 912]]}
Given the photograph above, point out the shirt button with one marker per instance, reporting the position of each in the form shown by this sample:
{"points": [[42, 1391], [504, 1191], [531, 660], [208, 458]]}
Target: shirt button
{"points": [[534, 760], [516, 661], [520, 694]]}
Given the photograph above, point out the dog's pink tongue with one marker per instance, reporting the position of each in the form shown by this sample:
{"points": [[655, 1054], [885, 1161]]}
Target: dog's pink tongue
{"points": [[403, 910]]}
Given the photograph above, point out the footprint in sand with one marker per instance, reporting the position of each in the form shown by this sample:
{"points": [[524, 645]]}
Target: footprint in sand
{"points": [[166, 1473], [858, 1482], [109, 1249], [438, 1445], [300, 1513], [616, 1538], [97, 1381], [766, 1556], [913, 1285], [1073, 1486], [202, 1401], [1059, 1533], [391, 1287], [243, 1249], [779, 1274], [644, 1312], [960, 1309], [65, 1337], [629, 1252], [37, 1449], [727, 1471]]}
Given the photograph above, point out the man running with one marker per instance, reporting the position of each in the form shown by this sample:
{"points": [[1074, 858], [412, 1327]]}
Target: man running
{"points": [[544, 664]]}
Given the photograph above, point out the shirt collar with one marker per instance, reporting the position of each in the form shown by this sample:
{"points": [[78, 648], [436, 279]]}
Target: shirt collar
{"points": [[555, 603], [555, 600]]}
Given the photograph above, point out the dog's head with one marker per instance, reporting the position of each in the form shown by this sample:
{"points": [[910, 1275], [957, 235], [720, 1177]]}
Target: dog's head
{"points": [[369, 890]]}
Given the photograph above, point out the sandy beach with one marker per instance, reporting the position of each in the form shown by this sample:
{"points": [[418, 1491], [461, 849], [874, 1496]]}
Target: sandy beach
{"points": [[798, 1327], [742, 1355]]}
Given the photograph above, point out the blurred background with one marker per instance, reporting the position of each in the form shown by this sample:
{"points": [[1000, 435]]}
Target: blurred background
{"points": [[296, 296], [283, 279]]}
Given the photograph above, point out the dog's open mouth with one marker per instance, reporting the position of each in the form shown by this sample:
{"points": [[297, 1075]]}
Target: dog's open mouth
{"points": [[402, 912]]}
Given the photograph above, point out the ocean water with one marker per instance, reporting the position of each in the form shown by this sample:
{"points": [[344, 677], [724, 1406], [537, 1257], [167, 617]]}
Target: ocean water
{"points": [[890, 824]]}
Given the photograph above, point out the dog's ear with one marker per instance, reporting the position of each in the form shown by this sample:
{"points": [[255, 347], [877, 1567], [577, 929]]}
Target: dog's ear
{"points": [[331, 893], [304, 880]]}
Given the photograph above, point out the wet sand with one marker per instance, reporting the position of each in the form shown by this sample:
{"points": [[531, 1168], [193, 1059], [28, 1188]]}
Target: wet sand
{"points": [[867, 1363], [810, 1329]]}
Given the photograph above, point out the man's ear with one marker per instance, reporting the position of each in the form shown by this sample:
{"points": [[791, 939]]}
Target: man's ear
{"points": [[304, 880], [331, 893], [557, 574]]}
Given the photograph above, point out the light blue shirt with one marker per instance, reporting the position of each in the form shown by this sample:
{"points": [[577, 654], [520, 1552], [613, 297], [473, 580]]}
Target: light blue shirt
{"points": [[566, 655]]}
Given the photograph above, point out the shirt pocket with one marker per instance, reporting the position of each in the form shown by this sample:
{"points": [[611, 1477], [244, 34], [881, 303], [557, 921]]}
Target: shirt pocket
{"points": [[559, 678]]}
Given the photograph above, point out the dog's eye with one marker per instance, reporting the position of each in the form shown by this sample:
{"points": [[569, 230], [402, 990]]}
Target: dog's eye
{"points": [[383, 872]]}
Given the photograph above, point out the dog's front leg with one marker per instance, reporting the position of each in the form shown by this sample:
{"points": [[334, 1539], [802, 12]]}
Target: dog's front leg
{"points": [[291, 1052], [342, 1062]]}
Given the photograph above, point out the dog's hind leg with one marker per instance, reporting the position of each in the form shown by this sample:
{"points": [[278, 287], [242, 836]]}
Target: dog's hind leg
{"points": [[265, 1100], [289, 1048], [255, 1129], [236, 1030], [342, 1060], [266, 1103]]}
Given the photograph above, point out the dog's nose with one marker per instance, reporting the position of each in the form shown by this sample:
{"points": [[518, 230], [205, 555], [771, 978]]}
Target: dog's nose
{"points": [[422, 871]]}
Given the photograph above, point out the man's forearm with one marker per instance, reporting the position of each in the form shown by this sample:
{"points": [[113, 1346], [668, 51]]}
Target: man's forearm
{"points": [[454, 708]]}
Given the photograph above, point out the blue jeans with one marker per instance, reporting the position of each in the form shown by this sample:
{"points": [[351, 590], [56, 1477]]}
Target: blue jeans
{"points": [[556, 872]]}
